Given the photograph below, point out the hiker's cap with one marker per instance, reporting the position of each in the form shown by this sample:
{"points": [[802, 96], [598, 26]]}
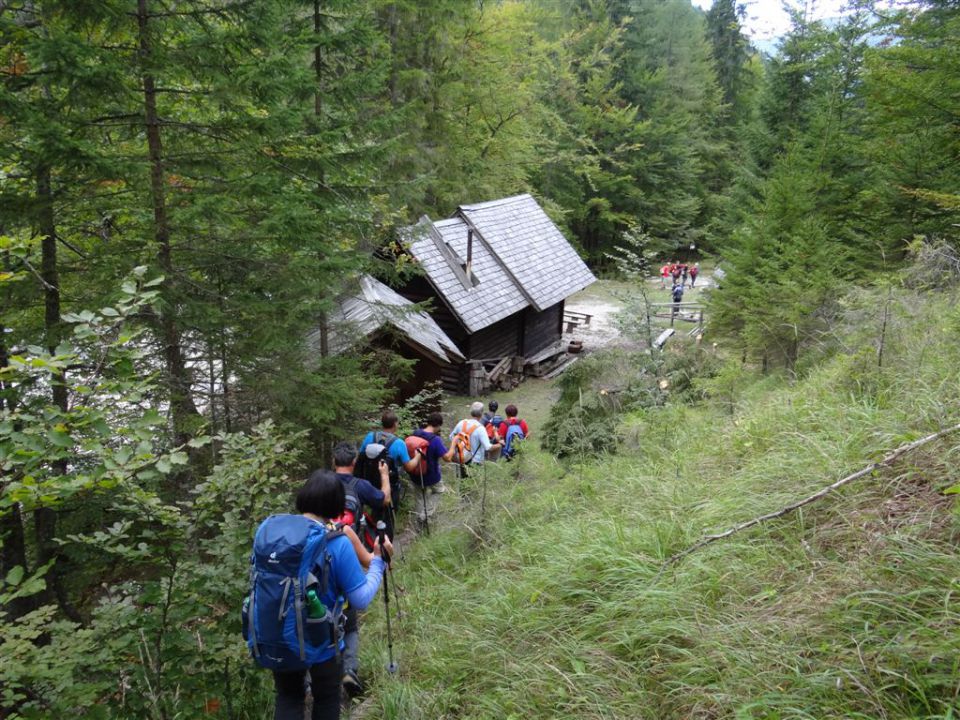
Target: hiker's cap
{"points": [[476, 409]]}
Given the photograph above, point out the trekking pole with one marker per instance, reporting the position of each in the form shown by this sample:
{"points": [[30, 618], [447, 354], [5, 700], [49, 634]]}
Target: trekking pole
{"points": [[396, 591], [483, 498], [392, 667], [423, 494]]}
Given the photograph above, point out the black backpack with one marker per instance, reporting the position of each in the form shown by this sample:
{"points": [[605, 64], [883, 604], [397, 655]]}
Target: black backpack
{"points": [[368, 467]]}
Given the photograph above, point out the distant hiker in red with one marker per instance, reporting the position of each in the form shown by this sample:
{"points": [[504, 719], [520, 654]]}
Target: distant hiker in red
{"points": [[694, 271], [512, 419], [664, 274], [512, 430], [676, 273]]}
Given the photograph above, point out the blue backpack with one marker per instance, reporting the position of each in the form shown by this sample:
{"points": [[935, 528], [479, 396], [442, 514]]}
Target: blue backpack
{"points": [[278, 625], [514, 434]]}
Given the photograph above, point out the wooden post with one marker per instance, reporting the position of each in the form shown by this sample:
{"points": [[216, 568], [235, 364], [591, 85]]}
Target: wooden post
{"points": [[469, 267], [478, 379]]}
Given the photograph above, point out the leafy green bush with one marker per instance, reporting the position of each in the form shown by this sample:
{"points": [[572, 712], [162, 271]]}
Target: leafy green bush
{"points": [[158, 573]]}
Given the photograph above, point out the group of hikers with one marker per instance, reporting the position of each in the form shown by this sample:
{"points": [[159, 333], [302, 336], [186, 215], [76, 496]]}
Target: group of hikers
{"points": [[311, 573], [679, 273]]}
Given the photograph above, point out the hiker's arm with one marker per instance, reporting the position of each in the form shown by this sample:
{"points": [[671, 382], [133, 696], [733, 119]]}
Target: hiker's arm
{"points": [[446, 455], [410, 464], [385, 483], [363, 555], [361, 596]]}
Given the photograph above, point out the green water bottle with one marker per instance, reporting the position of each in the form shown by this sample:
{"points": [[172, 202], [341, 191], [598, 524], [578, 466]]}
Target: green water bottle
{"points": [[315, 608]]}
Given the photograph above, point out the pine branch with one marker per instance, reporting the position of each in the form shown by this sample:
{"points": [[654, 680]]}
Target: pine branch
{"points": [[885, 462]]}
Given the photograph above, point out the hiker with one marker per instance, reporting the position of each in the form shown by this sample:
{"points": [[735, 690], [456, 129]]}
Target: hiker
{"points": [[684, 270], [694, 271], [491, 423], [664, 274], [512, 419], [676, 273], [358, 493], [278, 645], [512, 430], [677, 293], [470, 440], [384, 445], [430, 445], [396, 451], [488, 416]]}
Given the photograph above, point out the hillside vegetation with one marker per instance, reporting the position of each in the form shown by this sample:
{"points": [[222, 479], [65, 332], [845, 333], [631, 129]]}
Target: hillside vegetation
{"points": [[552, 605]]}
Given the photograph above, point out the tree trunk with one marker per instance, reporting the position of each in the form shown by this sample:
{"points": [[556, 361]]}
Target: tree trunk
{"points": [[182, 407], [44, 518]]}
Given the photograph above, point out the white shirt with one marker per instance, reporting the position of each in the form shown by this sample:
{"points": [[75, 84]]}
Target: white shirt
{"points": [[479, 442]]}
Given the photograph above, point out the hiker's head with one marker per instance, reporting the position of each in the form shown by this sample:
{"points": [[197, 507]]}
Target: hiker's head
{"points": [[511, 410], [389, 420], [493, 406], [476, 410], [344, 454], [322, 495], [434, 419]]}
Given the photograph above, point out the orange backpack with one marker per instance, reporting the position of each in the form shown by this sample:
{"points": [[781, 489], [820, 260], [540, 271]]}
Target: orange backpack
{"points": [[461, 441]]}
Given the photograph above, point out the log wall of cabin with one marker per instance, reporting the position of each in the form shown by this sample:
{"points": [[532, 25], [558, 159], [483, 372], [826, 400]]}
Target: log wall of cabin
{"points": [[524, 333], [499, 340], [541, 329]]}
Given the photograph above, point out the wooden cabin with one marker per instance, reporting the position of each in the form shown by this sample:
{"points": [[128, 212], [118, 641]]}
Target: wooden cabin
{"points": [[370, 313], [496, 274]]}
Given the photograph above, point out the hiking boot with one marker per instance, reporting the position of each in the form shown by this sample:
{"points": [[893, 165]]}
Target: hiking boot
{"points": [[351, 684], [438, 488]]}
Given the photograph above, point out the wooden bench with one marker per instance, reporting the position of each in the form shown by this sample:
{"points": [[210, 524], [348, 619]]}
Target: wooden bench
{"points": [[573, 320]]}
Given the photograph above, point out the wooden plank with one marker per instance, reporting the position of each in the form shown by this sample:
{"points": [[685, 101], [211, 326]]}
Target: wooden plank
{"points": [[562, 366], [499, 369], [548, 352], [663, 337]]}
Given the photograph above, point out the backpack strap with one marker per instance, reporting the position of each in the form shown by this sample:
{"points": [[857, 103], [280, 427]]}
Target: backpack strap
{"points": [[251, 617], [298, 612], [384, 438]]}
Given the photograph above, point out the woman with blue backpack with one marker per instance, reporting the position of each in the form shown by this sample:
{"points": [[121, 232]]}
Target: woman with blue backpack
{"points": [[303, 570]]}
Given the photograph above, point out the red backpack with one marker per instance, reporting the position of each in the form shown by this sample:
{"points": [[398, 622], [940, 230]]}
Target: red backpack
{"points": [[414, 443]]}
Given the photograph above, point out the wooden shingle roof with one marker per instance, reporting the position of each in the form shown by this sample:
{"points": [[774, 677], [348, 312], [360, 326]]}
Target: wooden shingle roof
{"points": [[531, 247], [358, 315], [520, 259]]}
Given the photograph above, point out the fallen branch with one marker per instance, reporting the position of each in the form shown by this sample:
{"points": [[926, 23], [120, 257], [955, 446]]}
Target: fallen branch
{"points": [[886, 462]]}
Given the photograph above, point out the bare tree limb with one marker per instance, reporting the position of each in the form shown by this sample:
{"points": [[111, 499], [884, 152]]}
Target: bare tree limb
{"points": [[885, 462]]}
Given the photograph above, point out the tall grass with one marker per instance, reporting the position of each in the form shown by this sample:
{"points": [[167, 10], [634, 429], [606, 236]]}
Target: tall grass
{"points": [[849, 608]]}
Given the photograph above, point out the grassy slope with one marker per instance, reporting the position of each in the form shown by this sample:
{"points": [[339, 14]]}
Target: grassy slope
{"points": [[550, 606]]}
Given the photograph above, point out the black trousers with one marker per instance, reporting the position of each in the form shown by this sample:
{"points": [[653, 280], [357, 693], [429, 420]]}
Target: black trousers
{"points": [[325, 681]]}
